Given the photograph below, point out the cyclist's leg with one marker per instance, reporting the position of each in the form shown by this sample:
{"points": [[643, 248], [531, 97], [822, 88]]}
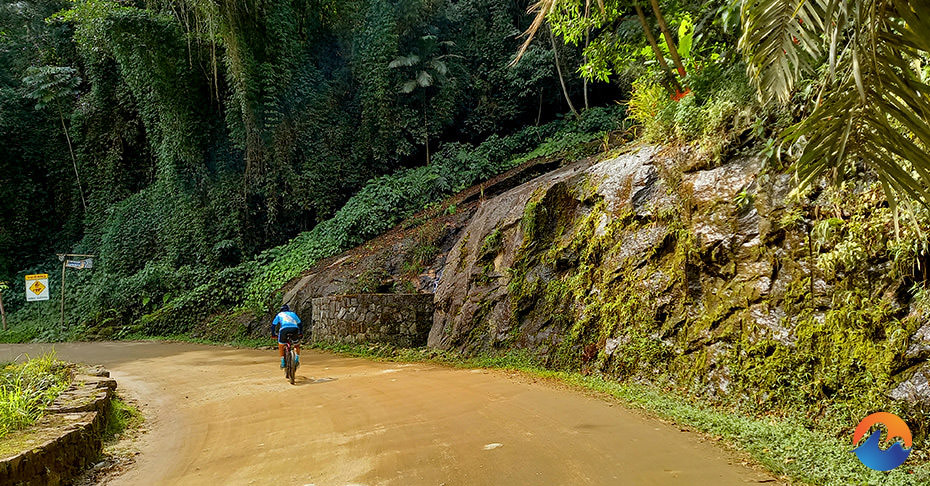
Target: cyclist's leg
{"points": [[281, 341]]}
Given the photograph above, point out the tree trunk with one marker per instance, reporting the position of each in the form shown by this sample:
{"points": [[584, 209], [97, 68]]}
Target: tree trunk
{"points": [[425, 128], [587, 34], [655, 47], [668, 38], [2, 312], [584, 79], [539, 113], [585, 87], [73, 160], [558, 67], [63, 294]]}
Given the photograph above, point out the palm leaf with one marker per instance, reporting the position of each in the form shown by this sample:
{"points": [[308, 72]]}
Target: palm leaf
{"points": [[875, 110], [424, 79], [408, 86], [404, 61], [780, 39], [539, 10], [439, 66]]}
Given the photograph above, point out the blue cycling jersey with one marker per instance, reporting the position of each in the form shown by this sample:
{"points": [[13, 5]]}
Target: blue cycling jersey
{"points": [[286, 320]]}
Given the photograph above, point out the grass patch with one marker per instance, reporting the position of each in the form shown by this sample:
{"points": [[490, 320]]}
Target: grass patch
{"points": [[27, 388], [121, 417], [782, 445]]}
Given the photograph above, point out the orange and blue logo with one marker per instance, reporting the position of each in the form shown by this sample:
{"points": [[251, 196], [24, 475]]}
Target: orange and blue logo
{"points": [[870, 454]]}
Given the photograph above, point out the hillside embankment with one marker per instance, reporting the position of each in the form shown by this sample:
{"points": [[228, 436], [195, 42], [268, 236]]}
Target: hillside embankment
{"points": [[661, 265]]}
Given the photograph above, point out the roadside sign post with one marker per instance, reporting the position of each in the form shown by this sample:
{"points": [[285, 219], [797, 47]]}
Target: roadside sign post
{"points": [[3, 286], [87, 262], [62, 323], [36, 287]]}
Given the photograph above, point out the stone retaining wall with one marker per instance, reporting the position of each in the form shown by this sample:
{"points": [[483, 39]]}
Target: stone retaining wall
{"points": [[398, 319], [64, 442]]}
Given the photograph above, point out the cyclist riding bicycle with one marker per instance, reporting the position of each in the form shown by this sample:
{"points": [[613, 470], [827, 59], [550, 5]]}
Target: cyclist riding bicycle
{"points": [[290, 327]]}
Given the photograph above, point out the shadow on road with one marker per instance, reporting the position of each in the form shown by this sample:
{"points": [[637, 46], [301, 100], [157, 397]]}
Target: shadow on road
{"points": [[303, 380]]}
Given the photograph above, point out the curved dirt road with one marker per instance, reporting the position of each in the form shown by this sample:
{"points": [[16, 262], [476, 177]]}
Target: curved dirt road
{"points": [[225, 416]]}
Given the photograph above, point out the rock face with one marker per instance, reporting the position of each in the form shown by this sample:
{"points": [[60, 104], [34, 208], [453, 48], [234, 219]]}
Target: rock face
{"points": [[398, 319], [408, 258], [642, 267]]}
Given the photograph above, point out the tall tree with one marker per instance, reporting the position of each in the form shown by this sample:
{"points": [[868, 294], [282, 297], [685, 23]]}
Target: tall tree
{"points": [[55, 86], [425, 67], [574, 20]]}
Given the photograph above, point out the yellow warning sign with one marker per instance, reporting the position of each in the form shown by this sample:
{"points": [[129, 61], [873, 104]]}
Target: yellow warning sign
{"points": [[37, 287]]}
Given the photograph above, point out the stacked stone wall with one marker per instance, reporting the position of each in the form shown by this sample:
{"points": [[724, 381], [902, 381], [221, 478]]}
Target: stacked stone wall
{"points": [[397, 319], [64, 441]]}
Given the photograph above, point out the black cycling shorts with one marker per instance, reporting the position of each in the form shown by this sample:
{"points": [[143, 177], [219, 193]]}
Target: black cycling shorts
{"points": [[288, 331]]}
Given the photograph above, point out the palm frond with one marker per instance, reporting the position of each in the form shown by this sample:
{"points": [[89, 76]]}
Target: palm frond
{"points": [[404, 61], [408, 86], [780, 39], [876, 112], [424, 79], [439, 66], [540, 9]]}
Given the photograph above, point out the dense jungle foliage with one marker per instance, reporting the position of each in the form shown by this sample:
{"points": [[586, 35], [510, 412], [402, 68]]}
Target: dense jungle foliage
{"points": [[183, 142], [208, 151]]}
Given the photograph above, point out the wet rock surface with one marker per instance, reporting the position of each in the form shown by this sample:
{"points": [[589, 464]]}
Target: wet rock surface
{"points": [[915, 389], [652, 265]]}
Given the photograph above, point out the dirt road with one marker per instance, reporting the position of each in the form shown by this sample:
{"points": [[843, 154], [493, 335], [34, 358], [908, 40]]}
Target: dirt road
{"points": [[224, 416]]}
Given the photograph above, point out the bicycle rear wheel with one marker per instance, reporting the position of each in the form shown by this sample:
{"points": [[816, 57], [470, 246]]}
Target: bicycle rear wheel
{"points": [[287, 364], [292, 365]]}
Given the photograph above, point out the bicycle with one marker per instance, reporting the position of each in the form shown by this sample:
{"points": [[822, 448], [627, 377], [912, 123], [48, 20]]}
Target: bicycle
{"points": [[290, 360]]}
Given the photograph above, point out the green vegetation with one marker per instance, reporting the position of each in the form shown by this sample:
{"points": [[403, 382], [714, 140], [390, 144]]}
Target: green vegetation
{"points": [[207, 153], [257, 139], [120, 418], [721, 108], [27, 388]]}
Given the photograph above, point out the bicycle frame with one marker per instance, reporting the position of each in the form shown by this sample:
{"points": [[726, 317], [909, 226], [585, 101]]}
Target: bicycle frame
{"points": [[290, 370]]}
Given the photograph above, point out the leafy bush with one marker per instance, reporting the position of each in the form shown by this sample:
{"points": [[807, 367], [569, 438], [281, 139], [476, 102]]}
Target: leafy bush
{"points": [[27, 388], [222, 291], [721, 102]]}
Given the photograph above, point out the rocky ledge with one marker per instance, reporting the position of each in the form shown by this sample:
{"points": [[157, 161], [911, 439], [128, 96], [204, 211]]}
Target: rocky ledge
{"points": [[66, 439]]}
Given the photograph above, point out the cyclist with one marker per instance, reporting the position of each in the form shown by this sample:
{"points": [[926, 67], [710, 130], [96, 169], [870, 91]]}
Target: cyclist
{"points": [[290, 326]]}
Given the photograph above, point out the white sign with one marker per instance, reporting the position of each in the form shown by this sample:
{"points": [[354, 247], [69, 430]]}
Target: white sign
{"points": [[36, 287], [88, 263]]}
